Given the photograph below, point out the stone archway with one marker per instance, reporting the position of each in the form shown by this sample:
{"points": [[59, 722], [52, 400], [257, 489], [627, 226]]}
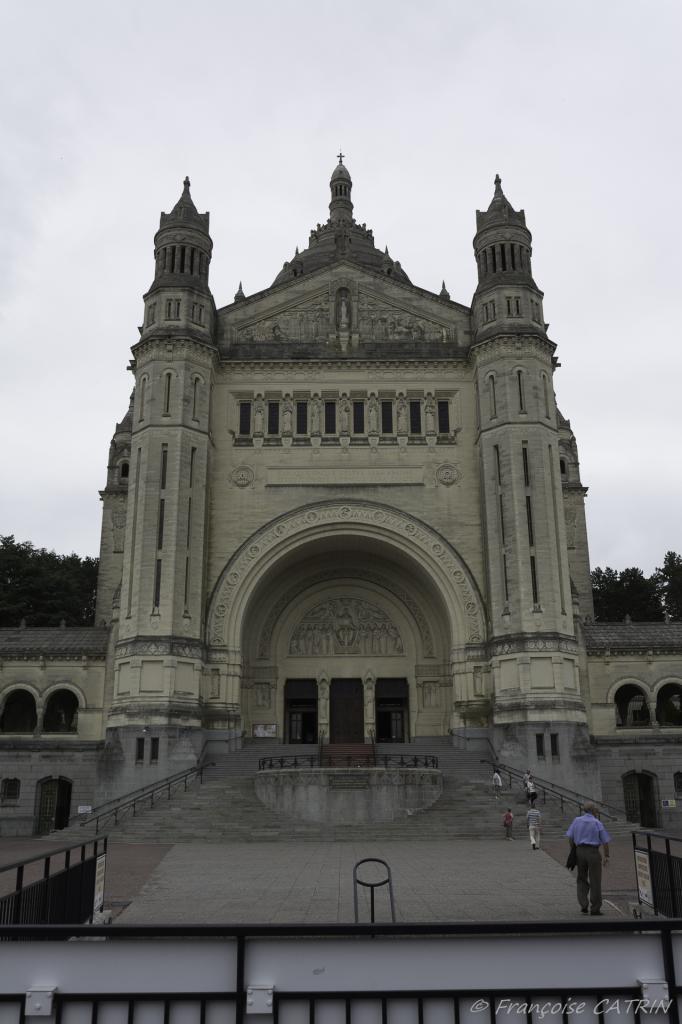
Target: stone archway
{"points": [[383, 558]]}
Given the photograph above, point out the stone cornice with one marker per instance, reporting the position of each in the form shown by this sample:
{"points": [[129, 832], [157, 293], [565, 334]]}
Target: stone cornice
{"points": [[517, 643], [179, 343], [291, 368], [511, 342], [168, 646]]}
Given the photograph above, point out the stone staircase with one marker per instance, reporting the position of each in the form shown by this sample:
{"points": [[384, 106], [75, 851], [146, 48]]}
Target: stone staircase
{"points": [[225, 808]]}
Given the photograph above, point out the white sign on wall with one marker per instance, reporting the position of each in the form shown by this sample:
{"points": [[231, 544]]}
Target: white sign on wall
{"points": [[100, 872], [643, 871]]}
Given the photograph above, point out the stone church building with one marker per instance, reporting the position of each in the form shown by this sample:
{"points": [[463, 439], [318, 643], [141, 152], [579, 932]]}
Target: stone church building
{"points": [[346, 505]]}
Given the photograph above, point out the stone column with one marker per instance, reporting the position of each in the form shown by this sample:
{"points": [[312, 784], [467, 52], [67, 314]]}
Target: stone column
{"points": [[323, 705], [369, 686]]}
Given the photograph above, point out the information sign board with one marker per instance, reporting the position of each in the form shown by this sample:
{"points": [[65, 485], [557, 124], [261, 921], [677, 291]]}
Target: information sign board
{"points": [[100, 872], [643, 872]]}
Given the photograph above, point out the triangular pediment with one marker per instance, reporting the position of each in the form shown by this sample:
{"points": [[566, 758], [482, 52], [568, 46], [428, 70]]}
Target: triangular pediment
{"points": [[348, 305]]}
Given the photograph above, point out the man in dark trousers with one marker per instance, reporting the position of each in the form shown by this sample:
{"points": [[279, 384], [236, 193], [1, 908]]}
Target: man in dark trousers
{"points": [[587, 834]]}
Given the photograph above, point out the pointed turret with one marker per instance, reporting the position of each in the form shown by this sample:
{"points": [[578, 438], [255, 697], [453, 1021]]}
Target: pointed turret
{"points": [[239, 294], [180, 295], [341, 207]]}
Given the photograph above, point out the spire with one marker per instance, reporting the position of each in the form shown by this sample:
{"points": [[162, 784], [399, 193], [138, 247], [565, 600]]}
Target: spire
{"points": [[340, 207], [185, 211], [444, 293], [239, 294]]}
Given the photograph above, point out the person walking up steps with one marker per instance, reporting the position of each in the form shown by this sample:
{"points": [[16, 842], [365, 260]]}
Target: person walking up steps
{"points": [[531, 791], [534, 820], [508, 822], [587, 834], [497, 784]]}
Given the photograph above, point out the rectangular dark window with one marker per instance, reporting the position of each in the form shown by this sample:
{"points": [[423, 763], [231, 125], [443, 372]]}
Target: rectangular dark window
{"points": [[443, 417], [415, 417], [529, 517], [154, 750], [244, 418], [159, 532], [273, 417], [358, 417], [164, 465], [139, 749], [526, 472], [192, 456], [534, 580], [540, 744], [301, 417], [10, 789], [387, 417], [498, 466], [554, 743], [157, 583], [330, 417], [502, 520]]}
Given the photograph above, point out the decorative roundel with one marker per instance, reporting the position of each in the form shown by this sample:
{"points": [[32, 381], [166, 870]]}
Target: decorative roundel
{"points": [[447, 474], [242, 476]]}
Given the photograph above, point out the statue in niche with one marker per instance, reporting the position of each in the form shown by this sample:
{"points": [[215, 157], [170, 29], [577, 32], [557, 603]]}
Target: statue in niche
{"points": [[430, 695], [258, 415], [369, 699], [214, 690], [323, 700], [262, 695], [373, 414], [401, 414], [344, 415], [315, 412], [430, 414], [343, 313], [287, 415]]}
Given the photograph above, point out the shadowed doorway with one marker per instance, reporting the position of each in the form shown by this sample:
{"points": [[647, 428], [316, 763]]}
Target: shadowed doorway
{"points": [[300, 711], [391, 710], [346, 711]]}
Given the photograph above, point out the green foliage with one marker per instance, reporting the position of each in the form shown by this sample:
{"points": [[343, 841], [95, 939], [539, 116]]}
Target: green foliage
{"points": [[43, 587], [670, 581], [630, 592]]}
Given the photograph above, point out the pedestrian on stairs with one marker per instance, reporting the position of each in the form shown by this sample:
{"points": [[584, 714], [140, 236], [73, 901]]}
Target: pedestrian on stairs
{"points": [[497, 784], [508, 822], [531, 791], [534, 821]]}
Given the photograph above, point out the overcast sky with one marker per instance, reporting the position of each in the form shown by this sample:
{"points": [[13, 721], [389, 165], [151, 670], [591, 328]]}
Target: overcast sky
{"points": [[105, 106]]}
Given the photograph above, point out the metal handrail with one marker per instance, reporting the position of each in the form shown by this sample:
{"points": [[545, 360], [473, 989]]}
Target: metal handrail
{"points": [[561, 793], [48, 854], [131, 799]]}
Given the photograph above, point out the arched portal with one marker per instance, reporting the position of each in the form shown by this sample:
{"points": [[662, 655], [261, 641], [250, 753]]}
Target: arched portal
{"points": [[357, 600]]}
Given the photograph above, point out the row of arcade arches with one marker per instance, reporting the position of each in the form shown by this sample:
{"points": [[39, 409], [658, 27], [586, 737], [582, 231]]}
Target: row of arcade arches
{"points": [[636, 708], [19, 712]]}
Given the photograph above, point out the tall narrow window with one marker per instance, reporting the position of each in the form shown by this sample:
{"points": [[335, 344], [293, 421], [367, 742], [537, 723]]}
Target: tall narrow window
{"points": [[492, 397], [502, 533], [415, 416], [164, 466], [506, 579], [358, 417], [554, 743], [529, 517], [443, 416], [195, 397], [301, 417], [189, 521], [387, 417], [519, 383], [159, 531], [151, 314], [192, 456], [139, 749], [154, 750], [166, 394], [545, 395], [526, 472], [540, 744], [143, 397], [534, 580], [330, 417], [157, 584], [244, 418], [273, 418], [498, 466]]}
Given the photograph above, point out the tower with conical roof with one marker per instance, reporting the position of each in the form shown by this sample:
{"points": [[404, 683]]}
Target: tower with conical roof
{"points": [[162, 587], [535, 663]]}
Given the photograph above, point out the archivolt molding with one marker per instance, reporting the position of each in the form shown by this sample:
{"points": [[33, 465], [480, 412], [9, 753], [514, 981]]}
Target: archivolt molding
{"points": [[378, 579], [369, 519]]}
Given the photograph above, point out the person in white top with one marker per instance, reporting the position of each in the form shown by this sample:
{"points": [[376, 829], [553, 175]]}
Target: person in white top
{"points": [[497, 784]]}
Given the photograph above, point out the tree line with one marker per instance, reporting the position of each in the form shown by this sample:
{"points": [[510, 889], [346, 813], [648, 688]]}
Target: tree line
{"points": [[45, 588]]}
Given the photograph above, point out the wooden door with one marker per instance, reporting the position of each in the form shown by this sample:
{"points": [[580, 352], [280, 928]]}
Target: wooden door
{"points": [[346, 711]]}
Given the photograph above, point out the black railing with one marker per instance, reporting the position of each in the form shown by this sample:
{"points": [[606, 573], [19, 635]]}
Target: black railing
{"points": [[659, 875], [331, 760], [110, 813], [63, 891], [527, 994], [562, 794]]}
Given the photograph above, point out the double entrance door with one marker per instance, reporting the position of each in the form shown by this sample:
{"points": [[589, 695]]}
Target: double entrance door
{"points": [[346, 711]]}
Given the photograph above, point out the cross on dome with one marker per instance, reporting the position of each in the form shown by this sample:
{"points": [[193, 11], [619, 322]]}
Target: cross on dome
{"points": [[340, 155]]}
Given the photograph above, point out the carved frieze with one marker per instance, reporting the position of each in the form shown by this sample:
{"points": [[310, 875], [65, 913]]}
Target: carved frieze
{"points": [[379, 321], [342, 626]]}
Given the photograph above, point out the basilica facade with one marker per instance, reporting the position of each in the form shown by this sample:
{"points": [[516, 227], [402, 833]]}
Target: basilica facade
{"points": [[345, 506]]}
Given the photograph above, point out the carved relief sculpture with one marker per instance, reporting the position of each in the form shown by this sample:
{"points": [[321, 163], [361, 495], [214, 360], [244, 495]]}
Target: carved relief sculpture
{"points": [[258, 415], [344, 414], [430, 414], [287, 415], [401, 414], [315, 413], [345, 627], [373, 414]]}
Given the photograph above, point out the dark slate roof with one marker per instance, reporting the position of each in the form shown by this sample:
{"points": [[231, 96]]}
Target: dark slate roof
{"points": [[631, 636], [54, 642], [331, 242]]}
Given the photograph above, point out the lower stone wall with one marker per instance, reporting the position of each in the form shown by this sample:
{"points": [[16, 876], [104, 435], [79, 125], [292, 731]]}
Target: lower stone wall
{"points": [[348, 795], [660, 759]]}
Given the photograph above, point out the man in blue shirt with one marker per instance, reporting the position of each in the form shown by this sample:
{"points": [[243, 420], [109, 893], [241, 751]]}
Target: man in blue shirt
{"points": [[587, 834]]}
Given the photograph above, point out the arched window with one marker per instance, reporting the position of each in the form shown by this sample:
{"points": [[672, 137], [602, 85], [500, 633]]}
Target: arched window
{"points": [[669, 705], [143, 398], [491, 397], [124, 471], [545, 394], [19, 714], [562, 466], [195, 397], [521, 390], [632, 710], [61, 712], [166, 393]]}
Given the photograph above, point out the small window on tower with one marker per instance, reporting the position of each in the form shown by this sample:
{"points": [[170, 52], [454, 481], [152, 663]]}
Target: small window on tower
{"points": [[415, 417], [273, 418], [154, 750], [139, 749], [244, 418], [124, 471], [540, 744], [443, 417], [387, 417], [151, 314], [173, 309]]}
